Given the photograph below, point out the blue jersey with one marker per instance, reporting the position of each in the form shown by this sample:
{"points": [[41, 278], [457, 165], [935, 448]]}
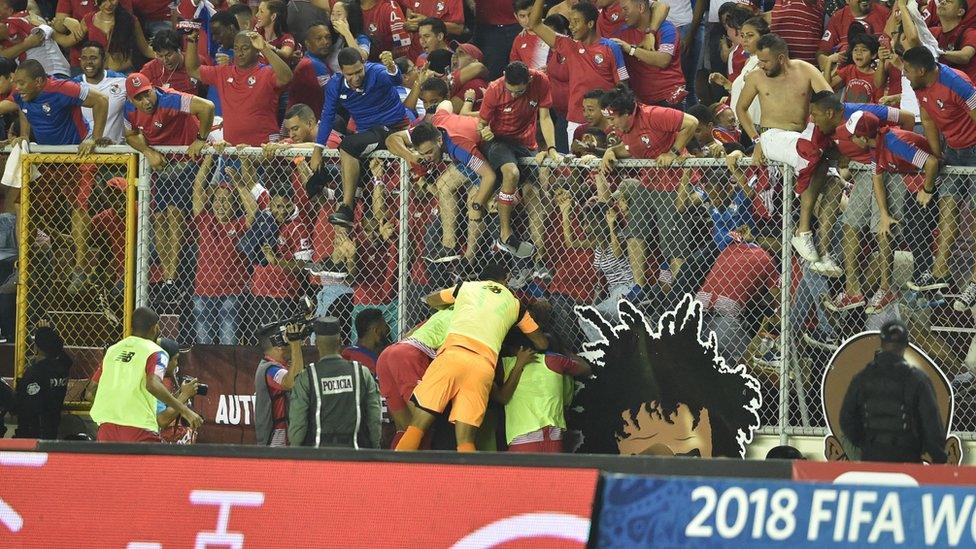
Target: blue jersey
{"points": [[55, 114], [376, 104]]}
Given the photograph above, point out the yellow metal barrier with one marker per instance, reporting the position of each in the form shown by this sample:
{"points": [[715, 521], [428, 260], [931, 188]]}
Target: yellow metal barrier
{"points": [[77, 256]]}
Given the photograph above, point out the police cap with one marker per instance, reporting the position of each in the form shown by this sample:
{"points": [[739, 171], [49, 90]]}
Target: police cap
{"points": [[894, 331], [326, 326]]}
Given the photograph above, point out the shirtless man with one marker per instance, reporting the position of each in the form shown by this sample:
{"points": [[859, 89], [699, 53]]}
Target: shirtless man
{"points": [[784, 87]]}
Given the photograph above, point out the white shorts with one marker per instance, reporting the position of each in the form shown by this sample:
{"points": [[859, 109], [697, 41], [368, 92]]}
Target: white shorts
{"points": [[780, 146]]}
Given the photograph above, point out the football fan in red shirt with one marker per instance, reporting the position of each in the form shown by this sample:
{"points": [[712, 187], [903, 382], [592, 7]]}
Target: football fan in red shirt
{"points": [[594, 62], [870, 14], [528, 47], [510, 109], [155, 116], [653, 47], [248, 91], [168, 69], [645, 131], [221, 277], [431, 36], [948, 111]]}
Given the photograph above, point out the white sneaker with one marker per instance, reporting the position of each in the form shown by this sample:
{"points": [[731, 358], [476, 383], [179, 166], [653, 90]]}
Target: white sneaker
{"points": [[827, 267], [967, 299], [803, 244]]}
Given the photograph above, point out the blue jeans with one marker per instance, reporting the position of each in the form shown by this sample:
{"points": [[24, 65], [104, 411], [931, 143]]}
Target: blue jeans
{"points": [[957, 186], [215, 314], [691, 58]]}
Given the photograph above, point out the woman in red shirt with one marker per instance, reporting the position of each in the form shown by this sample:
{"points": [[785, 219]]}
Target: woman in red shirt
{"points": [[270, 23], [119, 32]]}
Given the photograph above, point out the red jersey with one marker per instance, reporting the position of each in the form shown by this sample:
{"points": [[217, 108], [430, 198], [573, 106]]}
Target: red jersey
{"points": [[842, 138], [221, 267], [279, 42], [461, 137], [932, 19], [531, 50], [178, 79], [169, 124], [653, 131], [494, 12], [599, 65], [375, 268], [458, 89], [515, 117], [558, 71], [903, 152], [249, 99], [652, 84], [307, 84], [108, 227], [957, 39], [18, 28], [737, 60], [361, 355], [611, 21], [800, 24], [78, 9], [274, 281], [151, 10], [859, 85], [739, 274], [948, 102], [835, 37], [383, 24]]}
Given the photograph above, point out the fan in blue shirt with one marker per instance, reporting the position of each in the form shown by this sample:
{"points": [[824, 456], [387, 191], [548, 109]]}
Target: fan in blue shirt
{"points": [[368, 91]]}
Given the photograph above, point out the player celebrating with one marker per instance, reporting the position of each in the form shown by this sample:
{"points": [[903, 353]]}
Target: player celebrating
{"points": [[464, 370]]}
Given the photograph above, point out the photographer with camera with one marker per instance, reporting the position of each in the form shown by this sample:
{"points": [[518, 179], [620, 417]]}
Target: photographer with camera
{"points": [[171, 430], [275, 377], [336, 403]]}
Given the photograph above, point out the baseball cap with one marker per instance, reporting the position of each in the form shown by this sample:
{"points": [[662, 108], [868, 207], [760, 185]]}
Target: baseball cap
{"points": [[894, 331], [863, 124], [136, 83], [118, 183], [471, 50]]}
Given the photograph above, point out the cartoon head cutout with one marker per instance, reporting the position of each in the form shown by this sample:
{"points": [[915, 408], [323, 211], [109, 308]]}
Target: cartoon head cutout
{"points": [[667, 387], [851, 358]]}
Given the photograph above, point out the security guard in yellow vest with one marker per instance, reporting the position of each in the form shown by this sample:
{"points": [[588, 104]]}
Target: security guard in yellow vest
{"points": [[130, 381]]}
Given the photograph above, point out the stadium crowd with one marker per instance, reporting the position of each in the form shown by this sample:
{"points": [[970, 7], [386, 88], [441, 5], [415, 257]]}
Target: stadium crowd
{"points": [[486, 101]]}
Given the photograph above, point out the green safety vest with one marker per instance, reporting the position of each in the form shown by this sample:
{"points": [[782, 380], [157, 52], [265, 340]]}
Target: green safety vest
{"points": [[539, 400], [433, 332], [122, 397]]}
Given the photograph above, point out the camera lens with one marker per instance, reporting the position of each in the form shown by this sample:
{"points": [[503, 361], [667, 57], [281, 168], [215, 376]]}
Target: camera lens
{"points": [[202, 389]]}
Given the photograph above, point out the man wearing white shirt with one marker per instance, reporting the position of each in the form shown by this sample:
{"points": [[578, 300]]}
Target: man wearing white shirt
{"points": [[110, 83]]}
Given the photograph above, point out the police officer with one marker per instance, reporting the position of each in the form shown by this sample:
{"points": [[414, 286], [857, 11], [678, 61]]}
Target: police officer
{"points": [[335, 402], [41, 390], [890, 412]]}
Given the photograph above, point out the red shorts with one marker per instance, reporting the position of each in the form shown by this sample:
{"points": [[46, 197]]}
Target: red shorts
{"points": [[110, 432], [546, 445], [400, 368]]}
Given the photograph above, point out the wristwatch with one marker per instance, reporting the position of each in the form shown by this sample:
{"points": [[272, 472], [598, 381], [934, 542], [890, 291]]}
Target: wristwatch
{"points": [[633, 48]]}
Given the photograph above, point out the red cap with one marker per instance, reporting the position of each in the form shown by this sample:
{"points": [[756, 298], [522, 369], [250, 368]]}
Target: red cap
{"points": [[471, 50], [118, 183], [136, 83], [863, 124]]}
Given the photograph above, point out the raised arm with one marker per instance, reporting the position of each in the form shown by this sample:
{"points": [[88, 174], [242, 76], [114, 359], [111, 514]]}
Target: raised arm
{"points": [[191, 59], [543, 31], [200, 197], [281, 69]]}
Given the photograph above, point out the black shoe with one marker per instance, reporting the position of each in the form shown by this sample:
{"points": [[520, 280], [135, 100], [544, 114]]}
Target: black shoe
{"points": [[342, 217], [927, 282]]}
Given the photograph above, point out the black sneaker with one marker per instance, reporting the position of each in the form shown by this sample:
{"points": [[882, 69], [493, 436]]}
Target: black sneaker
{"points": [[442, 254], [516, 247], [967, 299], [342, 217], [926, 282]]}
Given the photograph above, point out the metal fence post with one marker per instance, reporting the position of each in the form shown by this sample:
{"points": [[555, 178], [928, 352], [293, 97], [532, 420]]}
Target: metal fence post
{"points": [[403, 248], [786, 270], [143, 227]]}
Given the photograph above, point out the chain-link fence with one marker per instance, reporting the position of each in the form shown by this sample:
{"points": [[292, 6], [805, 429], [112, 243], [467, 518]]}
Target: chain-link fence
{"points": [[906, 260], [239, 238], [76, 233]]}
